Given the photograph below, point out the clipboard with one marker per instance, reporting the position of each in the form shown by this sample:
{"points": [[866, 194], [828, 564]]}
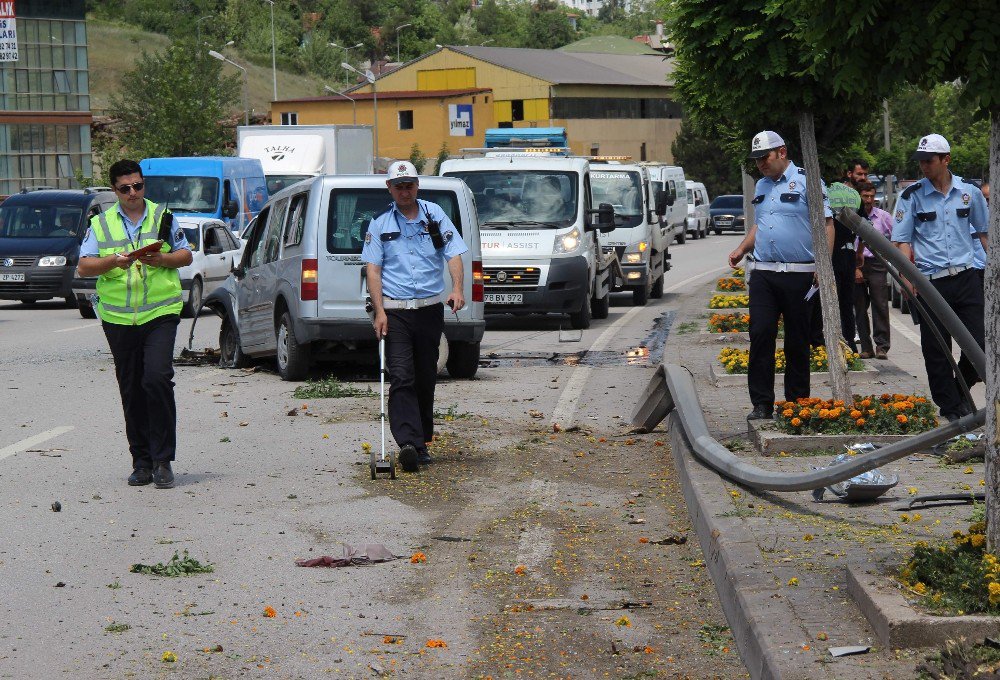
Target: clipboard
{"points": [[151, 248]]}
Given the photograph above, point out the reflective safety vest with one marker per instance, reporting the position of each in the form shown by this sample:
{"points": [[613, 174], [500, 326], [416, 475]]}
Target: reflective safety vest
{"points": [[139, 294]]}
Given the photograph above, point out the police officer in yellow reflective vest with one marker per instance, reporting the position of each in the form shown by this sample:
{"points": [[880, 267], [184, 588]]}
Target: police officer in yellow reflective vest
{"points": [[139, 302]]}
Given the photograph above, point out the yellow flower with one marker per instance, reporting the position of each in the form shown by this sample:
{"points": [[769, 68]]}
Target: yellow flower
{"points": [[735, 494], [967, 470], [793, 581], [912, 490], [920, 588], [977, 540], [623, 621], [366, 447], [168, 657]]}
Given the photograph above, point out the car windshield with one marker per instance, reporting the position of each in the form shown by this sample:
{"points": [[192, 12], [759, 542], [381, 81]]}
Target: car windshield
{"points": [[184, 194], [193, 235], [621, 188], [728, 202], [40, 221], [543, 199], [352, 210], [690, 196], [276, 183]]}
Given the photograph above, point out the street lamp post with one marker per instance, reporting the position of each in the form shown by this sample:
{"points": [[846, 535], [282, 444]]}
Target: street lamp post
{"points": [[354, 104], [347, 50], [370, 77], [398, 29], [246, 87], [197, 23], [274, 67]]}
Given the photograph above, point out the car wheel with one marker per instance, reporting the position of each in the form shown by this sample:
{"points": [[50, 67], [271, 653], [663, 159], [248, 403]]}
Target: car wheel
{"points": [[463, 359], [70, 301], [28, 301], [581, 319], [599, 307], [682, 236], [230, 353], [293, 358], [640, 296], [87, 310], [195, 299], [718, 232], [657, 291], [705, 231]]}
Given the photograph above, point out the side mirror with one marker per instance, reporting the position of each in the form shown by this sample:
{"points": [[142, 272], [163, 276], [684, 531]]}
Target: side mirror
{"points": [[237, 270], [213, 250], [231, 209], [605, 218], [698, 201]]}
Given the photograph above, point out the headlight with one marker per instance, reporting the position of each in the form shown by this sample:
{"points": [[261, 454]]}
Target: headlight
{"points": [[567, 243], [635, 253], [52, 261]]}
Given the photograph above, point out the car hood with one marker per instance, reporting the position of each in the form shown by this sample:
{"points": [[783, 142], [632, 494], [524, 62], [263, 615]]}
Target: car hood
{"points": [[61, 245], [726, 211]]}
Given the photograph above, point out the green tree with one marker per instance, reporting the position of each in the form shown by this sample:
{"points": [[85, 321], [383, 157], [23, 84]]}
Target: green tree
{"points": [[741, 68], [172, 104], [442, 156], [418, 158], [704, 160]]}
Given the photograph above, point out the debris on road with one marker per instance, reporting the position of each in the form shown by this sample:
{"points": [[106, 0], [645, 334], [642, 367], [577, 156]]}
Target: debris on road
{"points": [[370, 553], [849, 651], [56, 506]]}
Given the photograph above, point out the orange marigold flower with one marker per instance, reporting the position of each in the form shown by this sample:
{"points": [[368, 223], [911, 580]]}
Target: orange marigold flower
{"points": [[805, 413], [796, 422], [855, 414], [859, 422], [901, 418], [643, 539], [838, 402], [436, 643], [521, 570], [418, 558], [866, 403], [788, 413], [269, 612], [823, 413]]}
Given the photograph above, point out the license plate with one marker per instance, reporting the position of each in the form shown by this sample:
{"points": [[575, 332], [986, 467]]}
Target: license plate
{"points": [[11, 277], [724, 221], [504, 298]]}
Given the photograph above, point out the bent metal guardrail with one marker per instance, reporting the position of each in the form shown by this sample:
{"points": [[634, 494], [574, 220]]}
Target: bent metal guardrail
{"points": [[671, 394]]}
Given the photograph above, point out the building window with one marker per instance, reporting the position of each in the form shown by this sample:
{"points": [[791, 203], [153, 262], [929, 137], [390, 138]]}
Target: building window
{"points": [[517, 109], [406, 120], [61, 82], [289, 118]]}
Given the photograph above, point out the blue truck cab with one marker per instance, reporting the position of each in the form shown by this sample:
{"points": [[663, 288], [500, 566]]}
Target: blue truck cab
{"points": [[224, 187]]}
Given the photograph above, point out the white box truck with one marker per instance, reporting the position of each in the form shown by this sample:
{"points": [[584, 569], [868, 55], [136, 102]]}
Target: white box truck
{"points": [[291, 153], [539, 234]]}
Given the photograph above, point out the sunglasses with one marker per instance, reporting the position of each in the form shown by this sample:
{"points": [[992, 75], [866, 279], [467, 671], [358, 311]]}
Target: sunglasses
{"points": [[127, 188]]}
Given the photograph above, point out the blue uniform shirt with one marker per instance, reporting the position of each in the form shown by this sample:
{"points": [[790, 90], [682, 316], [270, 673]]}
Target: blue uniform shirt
{"points": [[937, 226], [782, 216], [89, 246], [978, 252], [412, 268]]}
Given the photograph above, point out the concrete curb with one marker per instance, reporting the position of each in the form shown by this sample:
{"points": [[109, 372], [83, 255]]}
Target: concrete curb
{"points": [[769, 441], [765, 627], [898, 625], [718, 376], [727, 338]]}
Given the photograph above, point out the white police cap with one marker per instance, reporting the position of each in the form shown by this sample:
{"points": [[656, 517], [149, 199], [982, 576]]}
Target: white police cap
{"points": [[931, 145], [764, 142], [402, 171]]}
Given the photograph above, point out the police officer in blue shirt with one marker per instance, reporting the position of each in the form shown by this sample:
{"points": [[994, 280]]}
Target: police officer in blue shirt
{"points": [[406, 249], [780, 274], [934, 218]]}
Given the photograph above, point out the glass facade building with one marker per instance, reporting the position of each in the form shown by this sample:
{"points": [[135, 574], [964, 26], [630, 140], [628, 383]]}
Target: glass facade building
{"points": [[45, 98]]}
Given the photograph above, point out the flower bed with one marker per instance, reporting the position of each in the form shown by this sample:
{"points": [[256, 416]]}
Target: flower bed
{"points": [[738, 271], [729, 323], [728, 301], [730, 284], [958, 579], [885, 414], [737, 360]]}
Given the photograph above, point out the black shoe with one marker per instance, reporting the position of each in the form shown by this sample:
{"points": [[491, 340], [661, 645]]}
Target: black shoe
{"points": [[140, 477], [424, 458], [760, 413], [163, 476], [408, 458]]}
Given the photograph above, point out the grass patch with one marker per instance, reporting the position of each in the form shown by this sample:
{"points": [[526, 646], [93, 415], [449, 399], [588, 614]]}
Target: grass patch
{"points": [[177, 566], [114, 586], [687, 327], [117, 628], [960, 660], [329, 388], [715, 639], [450, 413]]}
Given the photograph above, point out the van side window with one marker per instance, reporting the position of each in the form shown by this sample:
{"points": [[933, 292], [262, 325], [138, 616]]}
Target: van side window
{"points": [[271, 236], [296, 222], [255, 237]]}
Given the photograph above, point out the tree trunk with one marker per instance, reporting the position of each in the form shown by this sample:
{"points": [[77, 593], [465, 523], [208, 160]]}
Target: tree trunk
{"points": [[748, 209], [992, 316], [839, 382]]}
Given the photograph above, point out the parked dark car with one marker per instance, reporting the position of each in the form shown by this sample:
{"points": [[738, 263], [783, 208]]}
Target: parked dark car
{"points": [[726, 213], [40, 237]]}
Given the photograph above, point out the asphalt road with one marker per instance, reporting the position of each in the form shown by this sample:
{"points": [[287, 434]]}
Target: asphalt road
{"points": [[264, 477]]}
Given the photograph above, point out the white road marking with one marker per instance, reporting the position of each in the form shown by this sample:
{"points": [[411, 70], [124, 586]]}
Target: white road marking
{"points": [[77, 328], [565, 408], [903, 330], [37, 439]]}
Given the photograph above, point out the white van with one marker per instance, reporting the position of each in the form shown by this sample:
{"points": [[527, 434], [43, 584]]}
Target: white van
{"points": [[699, 222], [670, 179], [540, 251], [639, 240], [299, 290]]}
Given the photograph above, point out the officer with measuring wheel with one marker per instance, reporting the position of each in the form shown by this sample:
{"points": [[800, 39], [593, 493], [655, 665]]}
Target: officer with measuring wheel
{"points": [[406, 250], [934, 218]]}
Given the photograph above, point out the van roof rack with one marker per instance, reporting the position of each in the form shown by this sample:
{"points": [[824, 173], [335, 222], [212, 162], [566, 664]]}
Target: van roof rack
{"points": [[94, 190], [519, 150], [41, 187]]}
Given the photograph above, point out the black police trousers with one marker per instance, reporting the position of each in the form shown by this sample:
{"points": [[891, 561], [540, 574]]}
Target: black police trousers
{"points": [[964, 294], [844, 264], [144, 367], [771, 294], [411, 356]]}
